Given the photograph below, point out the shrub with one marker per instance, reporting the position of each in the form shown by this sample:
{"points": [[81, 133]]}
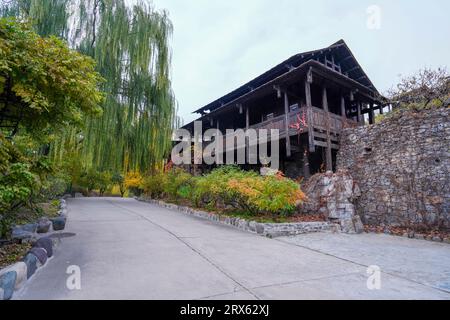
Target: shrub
{"points": [[174, 184], [272, 194], [104, 182], [54, 186], [133, 182], [211, 190], [153, 185], [248, 191], [227, 186], [177, 180]]}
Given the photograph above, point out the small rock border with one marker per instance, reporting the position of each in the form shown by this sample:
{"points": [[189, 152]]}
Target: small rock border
{"points": [[270, 230], [13, 277]]}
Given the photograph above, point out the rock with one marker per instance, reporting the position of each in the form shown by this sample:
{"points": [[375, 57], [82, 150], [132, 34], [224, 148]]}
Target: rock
{"points": [[259, 228], [45, 243], [31, 262], [447, 240], [7, 283], [436, 239], [252, 226], [19, 234], [44, 225], [347, 226], [419, 236], [40, 254], [59, 223], [358, 225], [30, 227], [63, 213], [20, 269]]}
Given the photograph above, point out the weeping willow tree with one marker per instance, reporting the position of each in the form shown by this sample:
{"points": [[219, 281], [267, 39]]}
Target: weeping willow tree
{"points": [[129, 42]]}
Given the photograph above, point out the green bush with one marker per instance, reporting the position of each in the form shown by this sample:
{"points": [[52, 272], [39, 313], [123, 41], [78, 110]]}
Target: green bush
{"points": [[211, 190], [174, 184], [177, 182], [54, 186], [153, 185], [228, 187]]}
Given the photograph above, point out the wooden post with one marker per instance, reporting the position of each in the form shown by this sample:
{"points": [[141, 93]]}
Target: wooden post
{"points": [[247, 139], [343, 114], [328, 154], [381, 109], [286, 125], [371, 114], [309, 116], [306, 169], [359, 112], [247, 118]]}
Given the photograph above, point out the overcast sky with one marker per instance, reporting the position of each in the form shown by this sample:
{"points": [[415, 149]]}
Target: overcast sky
{"points": [[220, 45]]}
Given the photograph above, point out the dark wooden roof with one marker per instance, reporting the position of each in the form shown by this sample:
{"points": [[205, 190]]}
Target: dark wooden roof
{"points": [[340, 50]]}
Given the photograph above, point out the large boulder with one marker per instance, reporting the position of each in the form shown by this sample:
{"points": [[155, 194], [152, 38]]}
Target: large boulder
{"points": [[20, 269], [31, 261], [43, 225], [333, 195], [59, 223], [7, 284], [40, 253], [19, 234], [45, 243]]}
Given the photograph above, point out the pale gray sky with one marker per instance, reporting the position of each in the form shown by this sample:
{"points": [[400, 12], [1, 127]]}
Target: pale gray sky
{"points": [[220, 45]]}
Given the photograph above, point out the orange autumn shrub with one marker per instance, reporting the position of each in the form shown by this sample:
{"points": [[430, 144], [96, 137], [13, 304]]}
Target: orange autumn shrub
{"points": [[271, 194]]}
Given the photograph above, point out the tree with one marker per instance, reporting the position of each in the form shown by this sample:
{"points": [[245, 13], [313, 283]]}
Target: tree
{"points": [[425, 88], [119, 180], [130, 45], [43, 83], [104, 182]]}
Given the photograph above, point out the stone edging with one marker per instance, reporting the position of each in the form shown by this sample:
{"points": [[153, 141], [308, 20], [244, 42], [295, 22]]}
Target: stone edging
{"points": [[270, 230], [13, 277]]}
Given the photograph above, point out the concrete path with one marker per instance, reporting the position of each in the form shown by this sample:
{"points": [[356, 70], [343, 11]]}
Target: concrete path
{"points": [[131, 250]]}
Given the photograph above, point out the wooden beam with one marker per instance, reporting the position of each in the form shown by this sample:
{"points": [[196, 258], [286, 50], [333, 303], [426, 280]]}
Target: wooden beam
{"points": [[309, 115], [286, 125], [328, 154]]}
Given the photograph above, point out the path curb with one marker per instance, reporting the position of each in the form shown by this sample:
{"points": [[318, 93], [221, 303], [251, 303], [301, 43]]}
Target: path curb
{"points": [[13, 277], [270, 230]]}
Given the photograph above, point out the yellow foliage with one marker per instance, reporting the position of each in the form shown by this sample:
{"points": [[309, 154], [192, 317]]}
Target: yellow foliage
{"points": [[133, 179]]}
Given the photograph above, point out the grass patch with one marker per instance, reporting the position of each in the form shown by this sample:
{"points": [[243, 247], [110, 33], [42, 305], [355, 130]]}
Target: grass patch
{"points": [[12, 253]]}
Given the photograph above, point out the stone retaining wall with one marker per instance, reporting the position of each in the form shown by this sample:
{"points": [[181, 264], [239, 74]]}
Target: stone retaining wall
{"points": [[270, 230], [402, 168]]}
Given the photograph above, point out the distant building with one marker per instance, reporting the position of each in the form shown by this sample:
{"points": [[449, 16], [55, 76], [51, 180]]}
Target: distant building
{"points": [[310, 98]]}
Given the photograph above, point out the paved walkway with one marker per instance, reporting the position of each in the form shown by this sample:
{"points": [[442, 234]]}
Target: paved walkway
{"points": [[131, 250]]}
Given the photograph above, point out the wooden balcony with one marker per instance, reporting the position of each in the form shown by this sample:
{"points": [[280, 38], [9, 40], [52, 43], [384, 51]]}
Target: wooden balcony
{"points": [[298, 124]]}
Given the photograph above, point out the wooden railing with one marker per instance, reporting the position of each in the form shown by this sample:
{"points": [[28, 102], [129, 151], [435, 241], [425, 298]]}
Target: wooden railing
{"points": [[319, 118], [298, 120]]}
